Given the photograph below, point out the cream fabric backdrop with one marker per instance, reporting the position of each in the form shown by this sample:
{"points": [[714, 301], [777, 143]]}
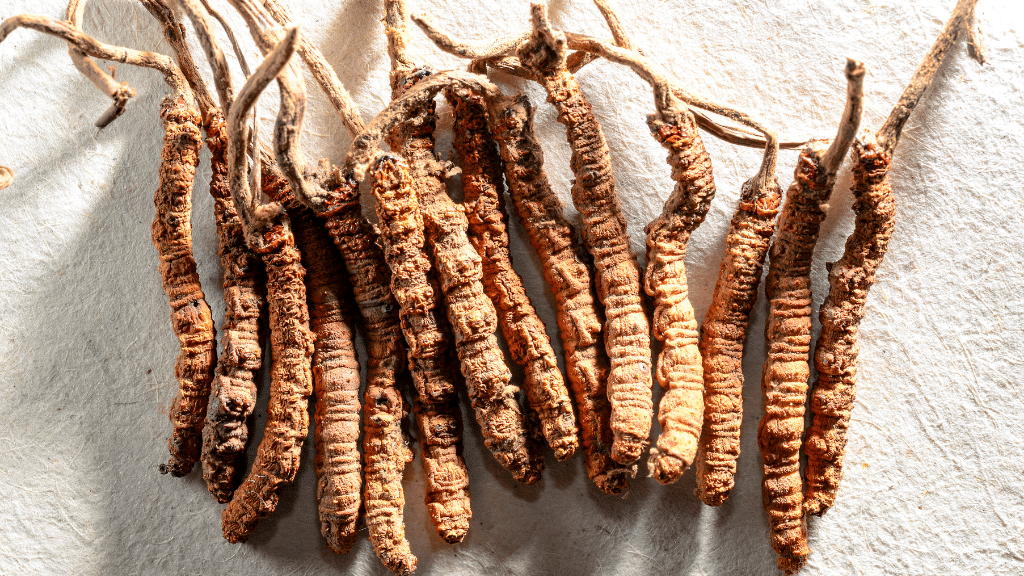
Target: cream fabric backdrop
{"points": [[934, 462]]}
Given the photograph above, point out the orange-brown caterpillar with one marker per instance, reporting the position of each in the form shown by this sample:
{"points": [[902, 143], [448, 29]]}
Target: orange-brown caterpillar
{"points": [[268, 233], [788, 332], [788, 284], [233, 393], [335, 371], [627, 331], [850, 278], [277, 460], [470, 314], [190, 314], [569, 278], [679, 369], [420, 304], [482, 170]]}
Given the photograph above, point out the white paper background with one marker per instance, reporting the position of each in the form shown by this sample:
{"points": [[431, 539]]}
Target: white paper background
{"points": [[934, 463]]}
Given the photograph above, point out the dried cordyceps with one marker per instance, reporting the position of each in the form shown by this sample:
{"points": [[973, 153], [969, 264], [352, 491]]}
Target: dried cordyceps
{"points": [[421, 311], [190, 314], [233, 393], [724, 331], [788, 333], [268, 234], [851, 277], [470, 313], [233, 390], [337, 202], [679, 368], [335, 371], [482, 170], [627, 337], [171, 233], [725, 326], [568, 276], [788, 289]]}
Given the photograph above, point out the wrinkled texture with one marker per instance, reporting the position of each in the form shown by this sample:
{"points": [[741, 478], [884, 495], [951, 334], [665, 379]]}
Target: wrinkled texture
{"points": [[627, 331], [291, 343], [419, 299], [679, 369], [722, 338], [939, 340], [471, 314], [835, 353], [788, 284], [568, 276], [483, 199], [190, 314], [370, 280], [233, 392], [385, 455], [334, 367]]}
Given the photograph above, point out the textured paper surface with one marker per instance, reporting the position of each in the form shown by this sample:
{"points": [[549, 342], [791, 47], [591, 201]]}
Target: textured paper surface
{"points": [[936, 450]]}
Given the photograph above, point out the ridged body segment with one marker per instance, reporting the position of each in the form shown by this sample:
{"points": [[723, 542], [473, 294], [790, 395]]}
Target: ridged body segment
{"points": [[277, 459], [483, 189], [335, 371], [421, 310], [627, 331], [567, 274], [679, 368], [190, 314], [233, 393], [835, 355]]}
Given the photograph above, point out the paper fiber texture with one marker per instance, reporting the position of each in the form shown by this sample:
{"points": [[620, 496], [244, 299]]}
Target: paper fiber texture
{"points": [[936, 448]]}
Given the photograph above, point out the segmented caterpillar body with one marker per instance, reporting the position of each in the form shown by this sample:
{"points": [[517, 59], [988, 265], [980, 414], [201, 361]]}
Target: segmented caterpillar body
{"points": [[482, 170], [679, 368], [190, 314], [568, 275]]}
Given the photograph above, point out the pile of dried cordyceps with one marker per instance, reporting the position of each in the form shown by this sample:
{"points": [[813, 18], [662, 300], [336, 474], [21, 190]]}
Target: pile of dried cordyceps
{"points": [[310, 258]]}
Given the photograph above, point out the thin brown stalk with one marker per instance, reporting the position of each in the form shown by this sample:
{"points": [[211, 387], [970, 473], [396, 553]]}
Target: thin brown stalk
{"points": [[120, 92]]}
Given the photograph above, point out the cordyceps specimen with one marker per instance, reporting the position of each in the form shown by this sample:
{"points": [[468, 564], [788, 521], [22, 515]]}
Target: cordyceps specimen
{"points": [[335, 370], [233, 393], [470, 313], [851, 277], [268, 234], [788, 328], [566, 272], [483, 190], [725, 325], [429, 346], [436, 408], [788, 334], [190, 317], [627, 337], [679, 368], [336, 199]]}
